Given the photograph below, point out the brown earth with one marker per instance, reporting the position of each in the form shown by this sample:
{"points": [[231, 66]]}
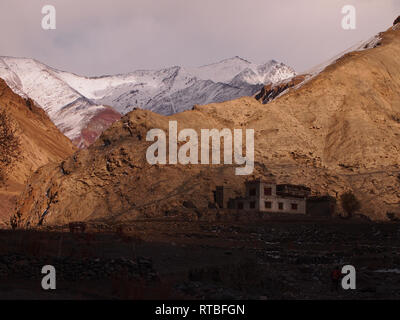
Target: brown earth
{"points": [[41, 143], [338, 131]]}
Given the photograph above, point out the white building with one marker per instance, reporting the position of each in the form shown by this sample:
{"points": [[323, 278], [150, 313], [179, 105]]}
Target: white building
{"points": [[265, 196]]}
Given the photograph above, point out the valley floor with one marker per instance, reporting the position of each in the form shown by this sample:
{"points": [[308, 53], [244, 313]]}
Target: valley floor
{"points": [[200, 260]]}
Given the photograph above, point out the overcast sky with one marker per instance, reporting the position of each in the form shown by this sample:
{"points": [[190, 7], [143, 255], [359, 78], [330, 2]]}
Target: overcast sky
{"points": [[96, 37]]}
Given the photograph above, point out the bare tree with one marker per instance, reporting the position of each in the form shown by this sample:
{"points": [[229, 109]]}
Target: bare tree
{"points": [[350, 203], [9, 144]]}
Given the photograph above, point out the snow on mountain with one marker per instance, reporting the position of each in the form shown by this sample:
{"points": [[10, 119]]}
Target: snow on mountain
{"points": [[73, 101], [69, 110], [176, 89], [275, 89], [359, 46], [223, 71]]}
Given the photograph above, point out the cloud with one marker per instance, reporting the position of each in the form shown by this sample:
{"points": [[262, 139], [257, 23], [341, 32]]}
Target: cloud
{"points": [[95, 37]]}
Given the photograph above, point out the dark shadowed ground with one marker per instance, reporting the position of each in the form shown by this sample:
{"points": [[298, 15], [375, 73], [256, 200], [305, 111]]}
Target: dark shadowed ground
{"points": [[200, 260]]}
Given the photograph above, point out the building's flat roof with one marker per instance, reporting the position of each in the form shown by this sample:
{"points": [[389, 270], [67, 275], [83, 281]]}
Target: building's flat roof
{"points": [[260, 181], [298, 186]]}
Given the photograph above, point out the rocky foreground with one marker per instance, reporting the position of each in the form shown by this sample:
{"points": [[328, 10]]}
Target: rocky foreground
{"points": [[268, 260]]}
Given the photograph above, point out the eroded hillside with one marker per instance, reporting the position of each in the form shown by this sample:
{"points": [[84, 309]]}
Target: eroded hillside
{"points": [[40, 143]]}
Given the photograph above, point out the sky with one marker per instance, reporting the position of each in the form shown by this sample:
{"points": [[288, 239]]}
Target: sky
{"points": [[99, 37]]}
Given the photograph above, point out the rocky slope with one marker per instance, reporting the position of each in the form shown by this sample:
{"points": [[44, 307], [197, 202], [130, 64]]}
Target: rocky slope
{"points": [[337, 131], [41, 143], [79, 105]]}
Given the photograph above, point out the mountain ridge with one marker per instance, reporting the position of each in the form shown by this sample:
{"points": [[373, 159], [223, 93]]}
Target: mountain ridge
{"points": [[73, 101]]}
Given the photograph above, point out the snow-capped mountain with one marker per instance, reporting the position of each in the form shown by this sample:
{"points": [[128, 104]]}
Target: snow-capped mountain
{"points": [[80, 119], [171, 90], [73, 102]]}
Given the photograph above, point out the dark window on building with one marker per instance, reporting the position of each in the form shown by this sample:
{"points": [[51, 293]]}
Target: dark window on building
{"points": [[253, 191], [294, 206], [280, 205], [267, 191], [252, 205], [268, 204], [240, 205]]}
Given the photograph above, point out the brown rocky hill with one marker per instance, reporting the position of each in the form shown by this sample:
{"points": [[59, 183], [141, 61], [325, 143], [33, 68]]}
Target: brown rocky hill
{"points": [[335, 132], [40, 143]]}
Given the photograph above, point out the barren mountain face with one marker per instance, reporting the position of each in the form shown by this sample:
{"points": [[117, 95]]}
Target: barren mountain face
{"points": [[336, 131], [40, 143]]}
